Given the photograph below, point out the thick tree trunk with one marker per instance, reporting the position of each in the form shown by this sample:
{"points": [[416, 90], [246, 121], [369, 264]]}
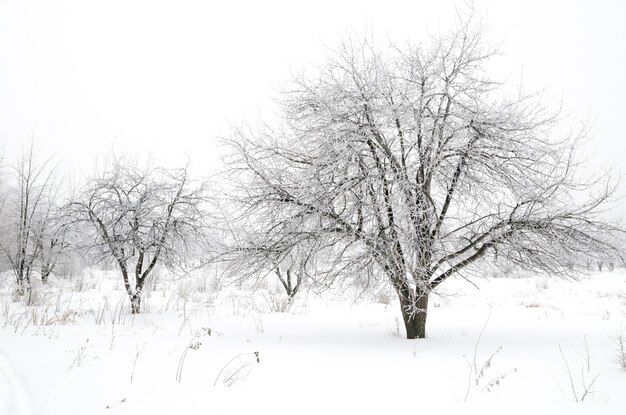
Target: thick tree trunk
{"points": [[414, 314]]}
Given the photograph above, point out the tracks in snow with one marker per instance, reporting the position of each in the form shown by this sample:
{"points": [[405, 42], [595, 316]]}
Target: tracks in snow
{"points": [[13, 396]]}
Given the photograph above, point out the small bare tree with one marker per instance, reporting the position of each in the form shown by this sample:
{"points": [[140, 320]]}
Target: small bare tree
{"points": [[290, 283], [141, 217], [33, 191], [411, 164], [4, 263], [51, 240], [254, 257]]}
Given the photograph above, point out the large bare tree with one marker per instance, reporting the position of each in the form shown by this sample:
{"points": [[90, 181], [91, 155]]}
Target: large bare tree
{"points": [[411, 164], [142, 216]]}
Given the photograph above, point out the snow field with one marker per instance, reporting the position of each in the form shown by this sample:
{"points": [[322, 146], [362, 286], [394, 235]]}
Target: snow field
{"points": [[194, 353]]}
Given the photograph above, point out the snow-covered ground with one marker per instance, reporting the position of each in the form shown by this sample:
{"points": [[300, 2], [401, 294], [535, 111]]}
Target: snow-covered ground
{"points": [[545, 344]]}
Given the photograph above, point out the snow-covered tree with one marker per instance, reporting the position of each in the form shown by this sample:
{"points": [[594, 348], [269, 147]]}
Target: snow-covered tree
{"points": [[29, 206], [142, 216], [409, 163]]}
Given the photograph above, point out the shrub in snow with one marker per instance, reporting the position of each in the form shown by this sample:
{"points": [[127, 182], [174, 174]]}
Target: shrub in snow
{"points": [[619, 339]]}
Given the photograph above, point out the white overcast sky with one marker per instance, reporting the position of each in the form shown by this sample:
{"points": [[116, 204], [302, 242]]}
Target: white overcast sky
{"points": [[168, 76]]}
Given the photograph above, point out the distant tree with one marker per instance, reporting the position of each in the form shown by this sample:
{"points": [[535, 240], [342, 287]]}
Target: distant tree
{"points": [[253, 257], [51, 240], [4, 263], [142, 216], [31, 199], [409, 163], [291, 280]]}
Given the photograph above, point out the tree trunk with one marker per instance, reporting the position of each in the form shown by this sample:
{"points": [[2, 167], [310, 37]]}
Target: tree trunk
{"points": [[133, 294], [135, 303], [45, 273], [20, 290], [135, 297], [414, 314]]}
